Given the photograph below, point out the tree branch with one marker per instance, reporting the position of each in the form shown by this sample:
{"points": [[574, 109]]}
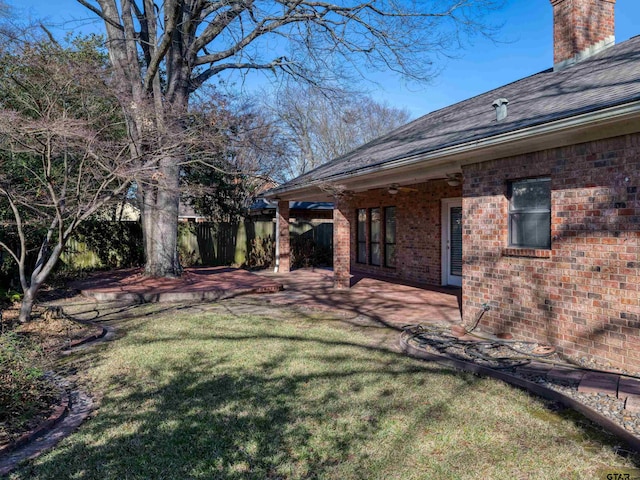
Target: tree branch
{"points": [[99, 12], [279, 63], [159, 52]]}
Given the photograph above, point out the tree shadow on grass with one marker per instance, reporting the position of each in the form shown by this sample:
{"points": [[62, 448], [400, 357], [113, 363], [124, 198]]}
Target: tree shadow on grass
{"points": [[252, 401], [233, 425]]}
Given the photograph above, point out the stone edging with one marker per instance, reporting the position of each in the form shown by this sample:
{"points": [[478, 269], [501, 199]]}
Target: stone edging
{"points": [[629, 439], [89, 339], [59, 412], [80, 407], [173, 297], [11, 453], [62, 408]]}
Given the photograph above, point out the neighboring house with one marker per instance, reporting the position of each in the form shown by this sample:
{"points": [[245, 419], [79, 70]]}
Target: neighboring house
{"points": [[129, 212], [119, 212], [186, 213], [313, 213], [527, 196]]}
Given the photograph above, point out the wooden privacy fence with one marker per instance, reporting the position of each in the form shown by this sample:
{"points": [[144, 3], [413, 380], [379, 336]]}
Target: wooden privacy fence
{"points": [[247, 243], [250, 243]]}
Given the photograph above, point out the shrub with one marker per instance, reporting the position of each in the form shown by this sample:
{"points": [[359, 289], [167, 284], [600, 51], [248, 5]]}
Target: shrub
{"points": [[305, 252], [9, 296], [116, 244], [261, 253], [26, 390]]}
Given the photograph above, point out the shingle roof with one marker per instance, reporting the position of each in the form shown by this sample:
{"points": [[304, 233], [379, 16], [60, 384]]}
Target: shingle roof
{"points": [[609, 78], [262, 204]]}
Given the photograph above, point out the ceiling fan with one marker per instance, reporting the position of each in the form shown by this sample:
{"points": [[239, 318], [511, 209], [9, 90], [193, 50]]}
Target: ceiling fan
{"points": [[394, 189]]}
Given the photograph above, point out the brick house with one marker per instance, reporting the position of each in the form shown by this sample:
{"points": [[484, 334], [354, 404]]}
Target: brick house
{"points": [[526, 196]]}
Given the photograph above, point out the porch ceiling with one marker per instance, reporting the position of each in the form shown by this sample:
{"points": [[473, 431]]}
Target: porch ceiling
{"points": [[384, 178]]}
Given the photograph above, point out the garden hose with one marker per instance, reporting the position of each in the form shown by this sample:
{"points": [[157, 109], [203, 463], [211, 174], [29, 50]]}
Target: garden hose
{"points": [[478, 349], [475, 349]]}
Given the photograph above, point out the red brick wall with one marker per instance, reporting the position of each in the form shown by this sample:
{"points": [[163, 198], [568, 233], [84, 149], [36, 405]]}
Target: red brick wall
{"points": [[583, 295], [580, 24], [284, 245], [343, 219], [418, 230]]}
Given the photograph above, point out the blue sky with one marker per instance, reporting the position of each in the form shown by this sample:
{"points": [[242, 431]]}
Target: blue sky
{"points": [[525, 47]]}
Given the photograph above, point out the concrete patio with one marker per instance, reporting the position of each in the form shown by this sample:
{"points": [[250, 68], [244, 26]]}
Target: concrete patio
{"points": [[195, 284], [384, 301]]}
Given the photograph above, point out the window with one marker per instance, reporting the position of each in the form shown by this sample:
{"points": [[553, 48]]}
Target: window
{"points": [[530, 213], [376, 236], [375, 226], [362, 236], [390, 237], [455, 241]]}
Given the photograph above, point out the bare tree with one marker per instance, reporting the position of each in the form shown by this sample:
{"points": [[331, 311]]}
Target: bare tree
{"points": [[162, 53], [63, 152], [321, 125], [239, 150]]}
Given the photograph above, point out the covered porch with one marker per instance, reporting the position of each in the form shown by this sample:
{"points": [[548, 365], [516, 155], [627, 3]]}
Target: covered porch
{"points": [[410, 232], [387, 302]]}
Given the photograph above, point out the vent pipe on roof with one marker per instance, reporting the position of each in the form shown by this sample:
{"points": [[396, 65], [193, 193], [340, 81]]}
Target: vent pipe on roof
{"points": [[501, 108]]}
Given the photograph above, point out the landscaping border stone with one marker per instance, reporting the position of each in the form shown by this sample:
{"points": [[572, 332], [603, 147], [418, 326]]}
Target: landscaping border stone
{"points": [[73, 409], [79, 408], [628, 438], [57, 415]]}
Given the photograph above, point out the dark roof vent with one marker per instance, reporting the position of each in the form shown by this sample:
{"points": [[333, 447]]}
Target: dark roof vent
{"points": [[501, 108]]}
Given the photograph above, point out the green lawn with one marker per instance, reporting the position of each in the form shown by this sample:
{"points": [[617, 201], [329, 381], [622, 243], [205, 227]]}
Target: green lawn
{"points": [[211, 392]]}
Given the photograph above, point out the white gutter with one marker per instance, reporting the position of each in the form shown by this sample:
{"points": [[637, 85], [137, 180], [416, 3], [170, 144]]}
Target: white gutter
{"points": [[572, 130]]}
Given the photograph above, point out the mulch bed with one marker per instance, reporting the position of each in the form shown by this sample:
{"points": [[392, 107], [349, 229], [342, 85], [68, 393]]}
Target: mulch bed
{"points": [[193, 280], [56, 333], [53, 333]]}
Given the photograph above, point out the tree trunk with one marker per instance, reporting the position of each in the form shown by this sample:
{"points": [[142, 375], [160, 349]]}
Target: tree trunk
{"points": [[28, 301], [161, 202], [47, 259], [160, 220]]}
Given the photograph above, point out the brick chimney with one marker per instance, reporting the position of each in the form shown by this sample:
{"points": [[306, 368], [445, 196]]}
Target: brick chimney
{"points": [[580, 29]]}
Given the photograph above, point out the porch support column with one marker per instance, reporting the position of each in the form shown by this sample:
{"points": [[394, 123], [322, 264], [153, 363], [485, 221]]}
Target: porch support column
{"points": [[283, 247], [341, 244]]}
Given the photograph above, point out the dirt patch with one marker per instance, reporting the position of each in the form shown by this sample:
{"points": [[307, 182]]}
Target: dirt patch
{"points": [[54, 333], [29, 394]]}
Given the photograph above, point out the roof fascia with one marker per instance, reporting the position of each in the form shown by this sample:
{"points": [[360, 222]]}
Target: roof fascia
{"points": [[597, 125]]}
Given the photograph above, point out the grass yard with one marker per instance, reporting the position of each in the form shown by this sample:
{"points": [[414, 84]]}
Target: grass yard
{"points": [[224, 391]]}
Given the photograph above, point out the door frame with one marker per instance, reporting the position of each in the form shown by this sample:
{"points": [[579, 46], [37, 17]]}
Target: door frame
{"points": [[447, 203]]}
